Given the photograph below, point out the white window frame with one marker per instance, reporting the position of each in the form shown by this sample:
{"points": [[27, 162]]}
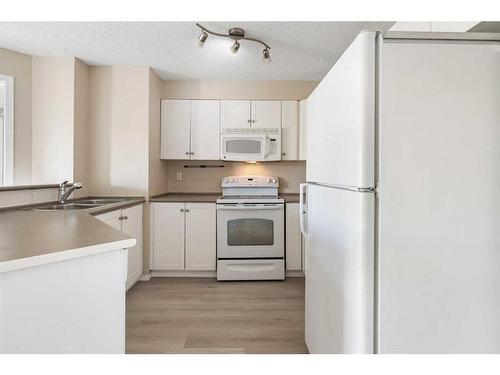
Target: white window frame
{"points": [[8, 150]]}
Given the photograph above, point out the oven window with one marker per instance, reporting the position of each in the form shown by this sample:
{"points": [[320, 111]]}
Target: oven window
{"points": [[250, 232], [243, 146]]}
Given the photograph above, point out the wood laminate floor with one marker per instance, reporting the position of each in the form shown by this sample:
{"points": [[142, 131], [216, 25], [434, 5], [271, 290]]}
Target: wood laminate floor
{"points": [[201, 315]]}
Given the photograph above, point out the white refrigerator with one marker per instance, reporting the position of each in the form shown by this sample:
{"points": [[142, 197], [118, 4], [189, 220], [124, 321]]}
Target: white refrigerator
{"points": [[401, 210]]}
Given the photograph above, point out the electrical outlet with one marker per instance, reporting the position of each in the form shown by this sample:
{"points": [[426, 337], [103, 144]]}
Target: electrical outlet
{"points": [[179, 176]]}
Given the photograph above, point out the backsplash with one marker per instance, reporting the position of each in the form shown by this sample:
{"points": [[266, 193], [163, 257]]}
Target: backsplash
{"points": [[198, 180]]}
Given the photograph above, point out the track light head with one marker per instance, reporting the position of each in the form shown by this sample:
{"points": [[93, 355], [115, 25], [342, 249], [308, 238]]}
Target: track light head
{"points": [[202, 38], [266, 55], [235, 47]]}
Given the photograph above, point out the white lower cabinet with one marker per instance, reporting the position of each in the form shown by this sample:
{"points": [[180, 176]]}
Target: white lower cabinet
{"points": [[293, 238], [168, 236], [183, 236], [200, 236], [128, 221]]}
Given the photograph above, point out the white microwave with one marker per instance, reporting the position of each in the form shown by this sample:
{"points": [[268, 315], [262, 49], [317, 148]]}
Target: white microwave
{"points": [[250, 146]]}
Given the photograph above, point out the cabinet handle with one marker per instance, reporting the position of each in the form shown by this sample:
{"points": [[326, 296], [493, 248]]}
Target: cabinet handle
{"points": [[182, 209], [249, 121], [254, 120], [284, 154], [192, 153], [187, 210], [120, 218], [187, 152], [125, 217]]}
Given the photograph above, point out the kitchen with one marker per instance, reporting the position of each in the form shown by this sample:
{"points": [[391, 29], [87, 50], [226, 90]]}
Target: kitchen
{"points": [[250, 215]]}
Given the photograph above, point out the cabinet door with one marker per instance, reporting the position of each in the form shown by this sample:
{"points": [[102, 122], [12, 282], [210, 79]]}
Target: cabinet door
{"points": [[200, 236], [235, 114], [112, 218], [205, 116], [175, 129], [168, 236], [289, 130], [132, 226], [293, 238], [266, 114], [302, 129]]}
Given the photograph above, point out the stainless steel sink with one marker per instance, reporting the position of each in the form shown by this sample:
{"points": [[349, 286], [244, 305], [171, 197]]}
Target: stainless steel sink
{"points": [[99, 201], [66, 206]]}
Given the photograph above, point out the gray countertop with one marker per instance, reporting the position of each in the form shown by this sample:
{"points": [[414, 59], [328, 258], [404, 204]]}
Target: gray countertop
{"points": [[30, 238], [290, 197], [208, 197]]}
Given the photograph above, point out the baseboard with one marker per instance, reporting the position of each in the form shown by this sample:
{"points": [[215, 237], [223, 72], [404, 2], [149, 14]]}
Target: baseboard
{"points": [[294, 274], [200, 274], [183, 274]]}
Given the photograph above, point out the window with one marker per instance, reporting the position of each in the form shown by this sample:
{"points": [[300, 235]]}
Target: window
{"points": [[250, 232], [6, 130]]}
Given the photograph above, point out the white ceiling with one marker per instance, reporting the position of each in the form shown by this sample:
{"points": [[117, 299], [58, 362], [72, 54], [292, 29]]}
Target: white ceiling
{"points": [[299, 50]]}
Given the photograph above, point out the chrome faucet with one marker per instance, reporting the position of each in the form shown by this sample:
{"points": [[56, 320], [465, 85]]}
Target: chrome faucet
{"points": [[65, 190]]}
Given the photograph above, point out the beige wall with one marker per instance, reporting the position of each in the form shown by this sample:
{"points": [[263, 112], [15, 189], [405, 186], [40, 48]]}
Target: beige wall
{"points": [[198, 180], [192, 89], [18, 65], [81, 131], [158, 175], [52, 119], [119, 128]]}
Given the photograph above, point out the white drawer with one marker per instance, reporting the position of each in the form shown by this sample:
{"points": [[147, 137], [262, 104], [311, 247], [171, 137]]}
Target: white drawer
{"points": [[248, 269]]}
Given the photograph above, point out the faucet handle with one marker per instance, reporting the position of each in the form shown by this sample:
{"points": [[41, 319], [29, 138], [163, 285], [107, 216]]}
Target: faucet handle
{"points": [[63, 183]]}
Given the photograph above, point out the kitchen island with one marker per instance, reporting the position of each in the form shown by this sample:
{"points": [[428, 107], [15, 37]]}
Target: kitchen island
{"points": [[62, 282]]}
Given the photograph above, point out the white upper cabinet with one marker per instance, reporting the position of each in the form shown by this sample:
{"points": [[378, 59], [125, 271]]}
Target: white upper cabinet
{"points": [[289, 130], [302, 129], [190, 129], [205, 115], [266, 114], [175, 129], [200, 236], [235, 114]]}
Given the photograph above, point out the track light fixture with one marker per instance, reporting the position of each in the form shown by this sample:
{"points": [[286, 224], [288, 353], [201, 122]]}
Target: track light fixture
{"points": [[236, 34]]}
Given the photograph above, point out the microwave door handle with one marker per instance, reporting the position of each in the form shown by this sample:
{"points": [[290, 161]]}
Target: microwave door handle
{"points": [[267, 146]]}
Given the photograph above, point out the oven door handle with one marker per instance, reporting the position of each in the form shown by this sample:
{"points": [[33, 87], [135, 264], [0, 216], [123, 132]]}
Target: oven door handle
{"points": [[250, 206]]}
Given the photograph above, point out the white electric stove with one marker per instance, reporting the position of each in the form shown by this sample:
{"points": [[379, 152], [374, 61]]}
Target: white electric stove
{"points": [[250, 229]]}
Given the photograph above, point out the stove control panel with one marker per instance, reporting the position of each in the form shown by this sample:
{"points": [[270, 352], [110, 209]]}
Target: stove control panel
{"points": [[250, 181]]}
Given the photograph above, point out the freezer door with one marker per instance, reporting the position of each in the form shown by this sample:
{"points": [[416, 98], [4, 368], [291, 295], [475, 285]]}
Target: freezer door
{"points": [[439, 198], [340, 119], [339, 276]]}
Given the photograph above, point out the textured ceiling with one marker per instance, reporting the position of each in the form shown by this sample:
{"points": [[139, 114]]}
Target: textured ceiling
{"points": [[299, 50]]}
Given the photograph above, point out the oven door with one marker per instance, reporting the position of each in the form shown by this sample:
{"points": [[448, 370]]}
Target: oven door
{"points": [[250, 231], [243, 147]]}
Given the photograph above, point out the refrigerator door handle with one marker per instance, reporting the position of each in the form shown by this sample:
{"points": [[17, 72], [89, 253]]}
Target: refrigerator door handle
{"points": [[303, 209]]}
